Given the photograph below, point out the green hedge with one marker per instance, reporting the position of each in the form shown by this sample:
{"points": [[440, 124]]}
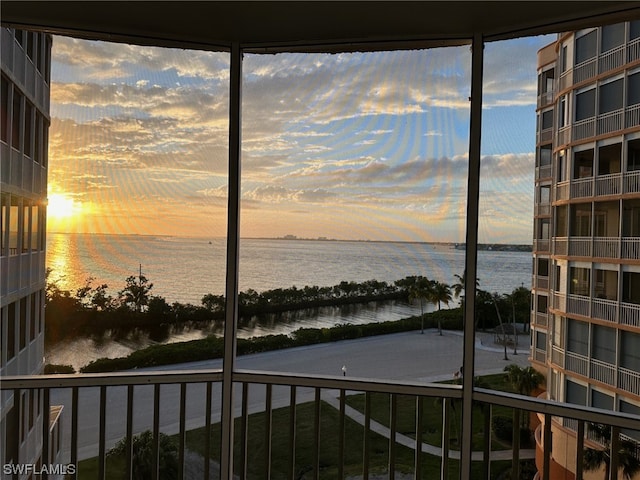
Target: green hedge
{"points": [[213, 347]]}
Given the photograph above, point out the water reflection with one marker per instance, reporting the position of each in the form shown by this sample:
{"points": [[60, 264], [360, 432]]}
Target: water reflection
{"points": [[121, 342]]}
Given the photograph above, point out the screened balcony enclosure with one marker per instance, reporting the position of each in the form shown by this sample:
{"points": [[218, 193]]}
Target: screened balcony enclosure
{"points": [[235, 422]]}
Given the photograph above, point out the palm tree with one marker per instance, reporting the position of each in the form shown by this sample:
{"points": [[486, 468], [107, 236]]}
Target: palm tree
{"points": [[523, 380], [595, 458], [421, 290], [440, 293]]}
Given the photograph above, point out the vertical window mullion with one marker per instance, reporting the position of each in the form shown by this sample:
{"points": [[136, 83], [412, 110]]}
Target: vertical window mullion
{"points": [[473, 199], [233, 240]]}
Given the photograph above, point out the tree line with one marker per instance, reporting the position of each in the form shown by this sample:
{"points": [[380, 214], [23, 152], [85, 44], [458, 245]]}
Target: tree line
{"points": [[93, 309]]}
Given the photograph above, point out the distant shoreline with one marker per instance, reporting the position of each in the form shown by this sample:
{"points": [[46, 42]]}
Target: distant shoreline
{"points": [[498, 247]]}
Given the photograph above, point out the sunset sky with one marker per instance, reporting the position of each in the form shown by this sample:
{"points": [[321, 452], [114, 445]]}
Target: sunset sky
{"points": [[351, 146]]}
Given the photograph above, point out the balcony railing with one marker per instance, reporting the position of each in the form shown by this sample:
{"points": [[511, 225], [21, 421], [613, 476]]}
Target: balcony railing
{"points": [[564, 135], [580, 246], [543, 209], [542, 319], [541, 281], [614, 58], [604, 309], [562, 191], [608, 184], [632, 116], [597, 247], [602, 371], [610, 121], [545, 98], [578, 305], [541, 245], [104, 409], [540, 355], [633, 50], [606, 247], [583, 129], [585, 70], [632, 182], [546, 135], [630, 314], [630, 247], [582, 187], [629, 380], [557, 356], [577, 363], [543, 171]]}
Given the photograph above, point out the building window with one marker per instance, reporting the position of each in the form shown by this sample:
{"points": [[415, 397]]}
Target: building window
{"points": [[631, 218], [580, 281], [583, 164], [604, 344], [11, 331], [546, 79], [32, 317], [634, 29], [4, 110], [609, 159], [633, 89], [633, 155], [563, 59], [14, 224], [601, 400], [575, 393], [586, 47], [545, 155], [545, 195], [586, 104], [629, 352], [611, 96], [612, 36], [542, 303], [541, 341], [631, 288], [15, 124], [23, 333], [543, 267], [628, 407], [28, 114], [547, 120], [577, 337]]}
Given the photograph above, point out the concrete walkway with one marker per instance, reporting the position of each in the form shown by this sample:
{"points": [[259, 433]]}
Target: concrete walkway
{"points": [[355, 415]]}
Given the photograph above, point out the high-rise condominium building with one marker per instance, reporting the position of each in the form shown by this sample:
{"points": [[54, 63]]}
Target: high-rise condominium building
{"points": [[24, 129], [586, 261]]}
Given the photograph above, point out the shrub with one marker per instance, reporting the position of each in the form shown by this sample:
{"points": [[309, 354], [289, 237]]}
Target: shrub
{"points": [[51, 368]]}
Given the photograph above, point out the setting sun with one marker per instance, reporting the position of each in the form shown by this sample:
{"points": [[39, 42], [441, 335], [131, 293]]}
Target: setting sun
{"points": [[61, 206]]}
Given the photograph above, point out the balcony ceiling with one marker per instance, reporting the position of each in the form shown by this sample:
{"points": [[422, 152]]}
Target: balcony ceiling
{"points": [[309, 26]]}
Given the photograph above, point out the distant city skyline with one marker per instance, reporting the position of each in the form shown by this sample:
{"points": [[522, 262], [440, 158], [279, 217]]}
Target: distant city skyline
{"points": [[363, 146]]}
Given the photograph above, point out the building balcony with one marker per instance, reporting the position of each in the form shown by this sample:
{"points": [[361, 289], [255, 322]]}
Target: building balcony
{"points": [[540, 281], [543, 172], [622, 313], [104, 409], [545, 98], [602, 185], [597, 370], [542, 210], [541, 245], [625, 248]]}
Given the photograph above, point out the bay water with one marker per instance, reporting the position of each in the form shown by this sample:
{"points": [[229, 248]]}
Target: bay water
{"points": [[185, 269]]}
